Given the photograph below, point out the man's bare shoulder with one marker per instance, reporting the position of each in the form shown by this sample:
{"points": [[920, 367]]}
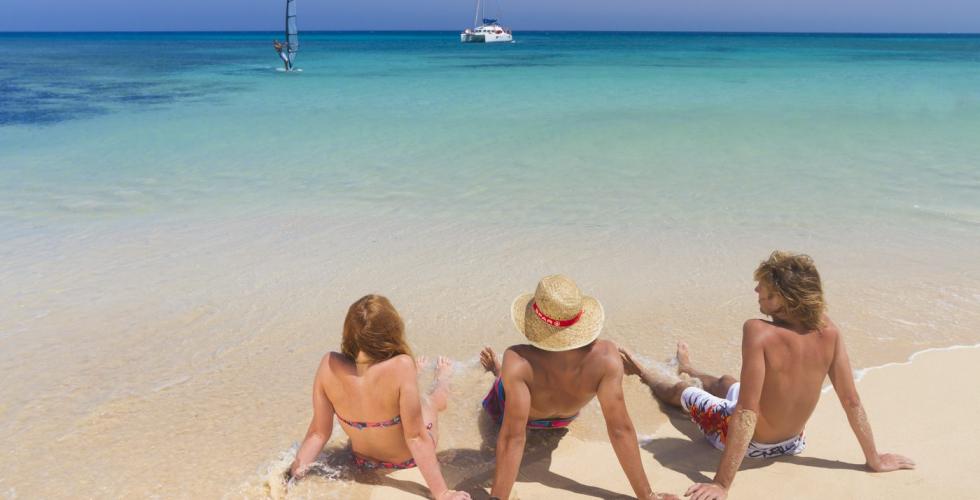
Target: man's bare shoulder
{"points": [[605, 347], [829, 332], [522, 350], [520, 353], [605, 354], [757, 329], [516, 361], [829, 326]]}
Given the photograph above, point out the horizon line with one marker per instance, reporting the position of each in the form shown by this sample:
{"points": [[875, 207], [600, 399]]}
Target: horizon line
{"points": [[529, 30], [707, 32]]}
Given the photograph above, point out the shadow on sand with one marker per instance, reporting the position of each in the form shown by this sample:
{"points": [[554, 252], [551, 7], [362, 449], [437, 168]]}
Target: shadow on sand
{"points": [[471, 470], [694, 456]]}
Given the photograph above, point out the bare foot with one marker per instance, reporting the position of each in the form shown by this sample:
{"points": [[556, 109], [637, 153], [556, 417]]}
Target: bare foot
{"points": [[439, 395], [683, 358], [693, 381], [421, 361], [630, 366], [488, 359], [444, 369]]}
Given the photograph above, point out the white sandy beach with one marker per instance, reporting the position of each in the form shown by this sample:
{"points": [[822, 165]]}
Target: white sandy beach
{"points": [[175, 366], [925, 409]]}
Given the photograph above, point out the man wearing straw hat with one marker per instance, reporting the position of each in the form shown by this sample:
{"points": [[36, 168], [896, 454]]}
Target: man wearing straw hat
{"points": [[543, 385]]}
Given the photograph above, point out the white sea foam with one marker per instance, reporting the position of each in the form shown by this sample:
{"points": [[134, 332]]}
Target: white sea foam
{"points": [[275, 473], [170, 383], [859, 373]]}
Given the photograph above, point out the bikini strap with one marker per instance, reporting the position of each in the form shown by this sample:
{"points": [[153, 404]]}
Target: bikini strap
{"points": [[367, 463], [397, 419]]}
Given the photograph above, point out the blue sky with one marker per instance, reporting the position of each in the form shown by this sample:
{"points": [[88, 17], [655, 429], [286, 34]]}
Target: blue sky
{"points": [[655, 15]]}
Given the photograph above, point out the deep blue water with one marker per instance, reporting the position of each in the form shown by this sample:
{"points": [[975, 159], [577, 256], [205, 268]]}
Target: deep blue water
{"points": [[66, 76]]}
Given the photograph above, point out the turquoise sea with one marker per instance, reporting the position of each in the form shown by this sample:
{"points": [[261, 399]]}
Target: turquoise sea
{"points": [[646, 127], [182, 225]]}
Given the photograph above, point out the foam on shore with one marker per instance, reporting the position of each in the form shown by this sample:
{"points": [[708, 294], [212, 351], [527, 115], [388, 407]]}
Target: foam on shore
{"points": [[859, 373]]}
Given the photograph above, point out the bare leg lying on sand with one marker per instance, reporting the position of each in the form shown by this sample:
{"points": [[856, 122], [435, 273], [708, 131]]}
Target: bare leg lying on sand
{"points": [[717, 386], [665, 388], [437, 399]]}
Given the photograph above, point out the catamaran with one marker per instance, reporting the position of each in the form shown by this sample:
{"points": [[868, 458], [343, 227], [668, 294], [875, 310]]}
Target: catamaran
{"points": [[487, 32], [287, 51]]}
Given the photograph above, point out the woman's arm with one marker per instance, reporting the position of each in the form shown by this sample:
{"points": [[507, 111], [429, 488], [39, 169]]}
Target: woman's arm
{"points": [[417, 437], [320, 427]]}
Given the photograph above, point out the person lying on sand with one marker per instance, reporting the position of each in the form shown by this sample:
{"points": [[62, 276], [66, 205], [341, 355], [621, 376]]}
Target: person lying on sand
{"points": [[784, 362], [371, 387], [544, 385]]}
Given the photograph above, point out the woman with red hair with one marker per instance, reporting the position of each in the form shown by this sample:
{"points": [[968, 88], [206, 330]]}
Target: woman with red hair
{"points": [[371, 387]]}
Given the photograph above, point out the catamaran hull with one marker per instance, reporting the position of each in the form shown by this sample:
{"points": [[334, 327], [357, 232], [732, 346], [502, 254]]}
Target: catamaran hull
{"points": [[485, 37]]}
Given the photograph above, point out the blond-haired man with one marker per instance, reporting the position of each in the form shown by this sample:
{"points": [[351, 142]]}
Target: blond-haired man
{"points": [[784, 363]]}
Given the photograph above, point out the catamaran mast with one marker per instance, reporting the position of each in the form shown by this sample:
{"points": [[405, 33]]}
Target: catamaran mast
{"points": [[476, 14]]}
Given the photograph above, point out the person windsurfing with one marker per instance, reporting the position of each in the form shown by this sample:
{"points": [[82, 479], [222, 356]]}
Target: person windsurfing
{"points": [[281, 50]]}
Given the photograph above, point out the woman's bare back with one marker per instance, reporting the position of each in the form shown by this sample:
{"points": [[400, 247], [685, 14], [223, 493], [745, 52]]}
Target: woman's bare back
{"points": [[369, 393]]}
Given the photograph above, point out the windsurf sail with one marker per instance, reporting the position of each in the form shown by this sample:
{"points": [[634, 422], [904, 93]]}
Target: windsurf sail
{"points": [[292, 32]]}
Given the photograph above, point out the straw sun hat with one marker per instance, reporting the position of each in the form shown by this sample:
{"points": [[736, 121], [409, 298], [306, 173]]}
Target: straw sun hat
{"points": [[557, 317]]}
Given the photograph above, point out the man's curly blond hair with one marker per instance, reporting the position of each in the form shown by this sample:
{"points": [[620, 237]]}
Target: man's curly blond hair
{"points": [[794, 277]]}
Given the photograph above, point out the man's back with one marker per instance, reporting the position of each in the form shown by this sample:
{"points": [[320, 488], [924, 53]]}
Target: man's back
{"points": [[560, 383], [796, 366], [543, 385]]}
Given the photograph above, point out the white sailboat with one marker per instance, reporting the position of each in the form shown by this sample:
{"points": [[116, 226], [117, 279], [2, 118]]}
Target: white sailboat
{"points": [[486, 32]]}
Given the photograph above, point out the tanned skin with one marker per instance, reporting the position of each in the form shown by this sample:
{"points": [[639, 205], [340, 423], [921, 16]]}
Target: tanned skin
{"points": [[367, 391], [541, 384], [783, 369]]}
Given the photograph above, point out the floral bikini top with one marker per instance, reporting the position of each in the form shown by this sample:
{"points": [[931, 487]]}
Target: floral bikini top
{"points": [[397, 419], [368, 463]]}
